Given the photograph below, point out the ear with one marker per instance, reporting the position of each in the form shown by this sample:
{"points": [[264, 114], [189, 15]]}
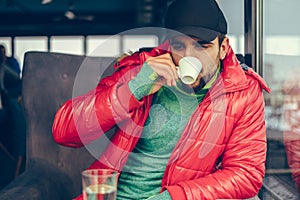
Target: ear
{"points": [[224, 48]]}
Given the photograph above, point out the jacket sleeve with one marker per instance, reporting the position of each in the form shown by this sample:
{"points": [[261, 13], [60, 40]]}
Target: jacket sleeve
{"points": [[243, 164], [85, 118]]}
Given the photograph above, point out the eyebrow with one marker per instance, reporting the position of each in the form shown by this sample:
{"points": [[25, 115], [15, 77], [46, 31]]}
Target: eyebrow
{"points": [[201, 42], [174, 40]]}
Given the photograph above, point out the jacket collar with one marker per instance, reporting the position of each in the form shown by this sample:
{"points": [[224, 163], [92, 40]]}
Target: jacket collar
{"points": [[234, 76]]}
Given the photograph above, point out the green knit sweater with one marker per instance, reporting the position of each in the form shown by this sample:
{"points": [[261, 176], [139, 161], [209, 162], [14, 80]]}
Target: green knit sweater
{"points": [[171, 109]]}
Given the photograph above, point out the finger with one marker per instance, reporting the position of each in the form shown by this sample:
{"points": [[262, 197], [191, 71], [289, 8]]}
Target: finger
{"points": [[162, 64], [169, 61], [173, 71], [166, 63], [164, 71], [158, 85]]}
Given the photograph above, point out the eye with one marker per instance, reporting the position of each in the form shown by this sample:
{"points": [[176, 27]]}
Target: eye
{"points": [[203, 44], [177, 46], [199, 46]]}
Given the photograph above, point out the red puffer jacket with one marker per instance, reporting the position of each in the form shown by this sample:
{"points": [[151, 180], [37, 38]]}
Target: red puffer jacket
{"points": [[221, 153]]}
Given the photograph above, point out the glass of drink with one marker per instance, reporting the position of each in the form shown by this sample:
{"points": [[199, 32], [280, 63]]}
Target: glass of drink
{"points": [[99, 184]]}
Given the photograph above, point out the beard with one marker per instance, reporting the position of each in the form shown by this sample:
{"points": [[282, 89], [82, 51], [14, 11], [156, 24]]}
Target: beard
{"points": [[213, 68], [199, 87], [202, 81]]}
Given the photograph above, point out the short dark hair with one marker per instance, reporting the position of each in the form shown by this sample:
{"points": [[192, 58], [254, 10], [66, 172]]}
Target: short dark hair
{"points": [[221, 38]]}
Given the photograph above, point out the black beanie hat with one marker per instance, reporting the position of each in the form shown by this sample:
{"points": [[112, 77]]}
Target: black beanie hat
{"points": [[200, 18]]}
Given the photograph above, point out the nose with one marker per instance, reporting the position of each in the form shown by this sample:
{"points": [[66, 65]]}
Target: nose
{"points": [[188, 51]]}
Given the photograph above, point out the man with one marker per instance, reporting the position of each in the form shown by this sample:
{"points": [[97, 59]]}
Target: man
{"points": [[12, 121], [11, 81], [175, 141], [10, 61]]}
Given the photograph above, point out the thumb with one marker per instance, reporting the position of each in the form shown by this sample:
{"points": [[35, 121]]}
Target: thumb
{"points": [[158, 84]]}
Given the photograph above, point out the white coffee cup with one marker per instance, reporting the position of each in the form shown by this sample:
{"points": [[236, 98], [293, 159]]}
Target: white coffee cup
{"points": [[189, 69]]}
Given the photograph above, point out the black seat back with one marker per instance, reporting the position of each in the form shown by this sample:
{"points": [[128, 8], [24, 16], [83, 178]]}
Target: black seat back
{"points": [[49, 79]]}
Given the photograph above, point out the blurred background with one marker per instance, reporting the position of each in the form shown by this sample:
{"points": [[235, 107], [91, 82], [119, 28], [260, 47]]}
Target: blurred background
{"points": [[266, 33]]}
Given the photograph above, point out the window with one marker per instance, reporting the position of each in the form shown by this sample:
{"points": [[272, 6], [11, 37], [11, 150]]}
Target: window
{"points": [[103, 46], [281, 58], [67, 44], [24, 44], [234, 13], [134, 42]]}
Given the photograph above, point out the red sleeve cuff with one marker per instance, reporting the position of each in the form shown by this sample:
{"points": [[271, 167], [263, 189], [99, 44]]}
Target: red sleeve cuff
{"points": [[126, 98], [176, 192]]}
